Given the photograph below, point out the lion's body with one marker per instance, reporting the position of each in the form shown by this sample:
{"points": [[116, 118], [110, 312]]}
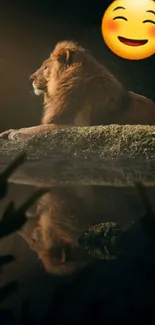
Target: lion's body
{"points": [[140, 111]]}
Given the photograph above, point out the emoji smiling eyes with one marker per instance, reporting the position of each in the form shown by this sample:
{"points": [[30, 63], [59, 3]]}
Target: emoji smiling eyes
{"points": [[120, 17], [145, 21], [149, 21]]}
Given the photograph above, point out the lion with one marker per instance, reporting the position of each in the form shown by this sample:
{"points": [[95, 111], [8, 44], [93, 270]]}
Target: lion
{"points": [[79, 91], [61, 218]]}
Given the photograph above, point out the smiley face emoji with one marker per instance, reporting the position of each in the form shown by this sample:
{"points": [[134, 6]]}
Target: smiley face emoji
{"points": [[128, 28]]}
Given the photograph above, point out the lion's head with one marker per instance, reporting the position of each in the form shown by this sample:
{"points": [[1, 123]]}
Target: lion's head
{"points": [[77, 89], [40, 78], [63, 56]]}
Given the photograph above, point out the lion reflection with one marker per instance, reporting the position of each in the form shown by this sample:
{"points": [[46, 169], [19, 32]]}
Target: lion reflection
{"points": [[62, 217]]}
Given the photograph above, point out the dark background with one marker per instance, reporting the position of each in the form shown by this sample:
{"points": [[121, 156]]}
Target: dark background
{"points": [[28, 33]]}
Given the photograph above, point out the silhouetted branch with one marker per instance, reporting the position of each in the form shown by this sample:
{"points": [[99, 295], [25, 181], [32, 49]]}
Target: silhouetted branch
{"points": [[4, 176], [12, 220], [6, 259]]}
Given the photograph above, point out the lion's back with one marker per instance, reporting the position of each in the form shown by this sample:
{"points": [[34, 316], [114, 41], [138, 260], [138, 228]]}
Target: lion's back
{"points": [[140, 111]]}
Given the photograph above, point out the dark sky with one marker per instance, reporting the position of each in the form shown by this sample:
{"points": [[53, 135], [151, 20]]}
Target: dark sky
{"points": [[81, 10]]}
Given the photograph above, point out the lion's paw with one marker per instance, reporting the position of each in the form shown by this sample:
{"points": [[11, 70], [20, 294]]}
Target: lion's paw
{"points": [[8, 135]]}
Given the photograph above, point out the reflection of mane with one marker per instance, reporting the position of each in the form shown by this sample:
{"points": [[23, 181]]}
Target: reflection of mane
{"points": [[80, 91], [62, 216]]}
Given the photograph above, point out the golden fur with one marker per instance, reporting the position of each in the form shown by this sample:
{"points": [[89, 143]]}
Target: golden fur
{"points": [[80, 91]]}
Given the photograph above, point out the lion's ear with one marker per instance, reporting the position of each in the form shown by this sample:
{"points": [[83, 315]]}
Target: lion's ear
{"points": [[65, 57]]}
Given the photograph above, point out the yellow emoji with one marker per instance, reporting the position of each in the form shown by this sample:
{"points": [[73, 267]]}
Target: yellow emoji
{"points": [[128, 28]]}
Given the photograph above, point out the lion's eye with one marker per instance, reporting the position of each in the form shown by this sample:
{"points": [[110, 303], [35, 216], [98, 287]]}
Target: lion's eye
{"points": [[46, 67]]}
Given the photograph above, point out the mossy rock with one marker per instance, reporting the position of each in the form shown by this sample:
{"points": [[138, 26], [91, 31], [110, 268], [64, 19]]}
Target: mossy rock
{"points": [[100, 241]]}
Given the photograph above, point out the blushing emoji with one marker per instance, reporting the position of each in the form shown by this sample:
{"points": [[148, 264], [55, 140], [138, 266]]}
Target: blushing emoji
{"points": [[128, 28]]}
